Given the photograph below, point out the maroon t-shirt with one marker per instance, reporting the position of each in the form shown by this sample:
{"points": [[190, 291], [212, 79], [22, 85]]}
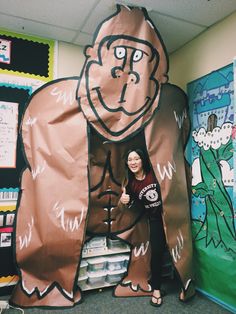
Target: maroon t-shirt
{"points": [[147, 192]]}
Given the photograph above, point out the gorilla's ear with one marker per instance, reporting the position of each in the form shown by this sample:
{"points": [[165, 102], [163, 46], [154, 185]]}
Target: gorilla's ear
{"points": [[90, 52]]}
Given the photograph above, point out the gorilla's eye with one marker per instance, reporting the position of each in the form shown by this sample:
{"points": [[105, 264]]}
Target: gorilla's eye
{"points": [[120, 52], [138, 54]]}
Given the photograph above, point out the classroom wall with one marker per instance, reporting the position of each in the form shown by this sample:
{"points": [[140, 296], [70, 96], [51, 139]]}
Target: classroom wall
{"points": [[211, 50], [70, 60]]}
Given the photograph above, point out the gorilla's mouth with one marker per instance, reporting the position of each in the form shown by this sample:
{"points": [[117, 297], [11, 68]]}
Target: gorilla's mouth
{"points": [[120, 108]]}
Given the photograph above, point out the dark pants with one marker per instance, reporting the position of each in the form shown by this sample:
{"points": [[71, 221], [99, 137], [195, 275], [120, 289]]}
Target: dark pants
{"points": [[158, 247]]}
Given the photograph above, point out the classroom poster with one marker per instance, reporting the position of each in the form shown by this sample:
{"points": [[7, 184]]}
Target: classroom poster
{"points": [[211, 155], [8, 134]]}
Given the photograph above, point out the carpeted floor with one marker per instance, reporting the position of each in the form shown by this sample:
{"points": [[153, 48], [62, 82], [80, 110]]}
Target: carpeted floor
{"points": [[102, 302]]}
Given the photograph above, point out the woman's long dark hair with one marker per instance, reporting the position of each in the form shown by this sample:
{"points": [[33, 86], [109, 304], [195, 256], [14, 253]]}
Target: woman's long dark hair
{"points": [[145, 164]]}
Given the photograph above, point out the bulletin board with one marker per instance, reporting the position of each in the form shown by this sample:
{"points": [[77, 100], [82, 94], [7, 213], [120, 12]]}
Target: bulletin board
{"points": [[212, 157], [26, 56], [26, 63]]}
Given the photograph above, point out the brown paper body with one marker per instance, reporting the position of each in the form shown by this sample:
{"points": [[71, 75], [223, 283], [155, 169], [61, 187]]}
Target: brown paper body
{"points": [[56, 208], [51, 217]]}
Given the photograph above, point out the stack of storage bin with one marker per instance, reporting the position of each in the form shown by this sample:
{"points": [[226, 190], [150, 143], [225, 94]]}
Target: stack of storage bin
{"points": [[110, 264], [96, 244], [102, 271], [116, 267]]}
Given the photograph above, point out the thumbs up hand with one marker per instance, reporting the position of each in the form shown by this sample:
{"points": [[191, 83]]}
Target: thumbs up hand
{"points": [[125, 198]]}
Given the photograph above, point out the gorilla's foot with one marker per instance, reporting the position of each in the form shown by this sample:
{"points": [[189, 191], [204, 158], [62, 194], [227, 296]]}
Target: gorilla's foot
{"points": [[131, 290], [188, 294], [54, 298]]}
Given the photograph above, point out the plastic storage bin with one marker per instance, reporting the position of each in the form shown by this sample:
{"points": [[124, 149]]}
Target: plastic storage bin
{"points": [[96, 264], [97, 242], [116, 262], [116, 243], [97, 277], [82, 281], [126, 261], [83, 268], [114, 276]]}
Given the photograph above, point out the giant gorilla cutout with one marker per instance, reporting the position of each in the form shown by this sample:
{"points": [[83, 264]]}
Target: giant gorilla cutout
{"points": [[75, 134]]}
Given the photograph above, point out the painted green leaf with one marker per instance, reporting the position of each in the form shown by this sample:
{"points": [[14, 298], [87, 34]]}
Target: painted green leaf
{"points": [[201, 190], [225, 152]]}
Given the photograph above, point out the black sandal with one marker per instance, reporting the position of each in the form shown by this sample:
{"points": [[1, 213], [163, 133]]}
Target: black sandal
{"points": [[155, 303]]}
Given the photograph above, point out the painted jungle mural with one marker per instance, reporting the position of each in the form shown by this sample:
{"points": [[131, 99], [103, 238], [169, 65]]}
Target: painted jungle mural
{"points": [[211, 155]]}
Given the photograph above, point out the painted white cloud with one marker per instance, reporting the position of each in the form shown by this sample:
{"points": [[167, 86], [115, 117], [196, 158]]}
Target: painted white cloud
{"points": [[196, 172], [227, 173], [218, 136]]}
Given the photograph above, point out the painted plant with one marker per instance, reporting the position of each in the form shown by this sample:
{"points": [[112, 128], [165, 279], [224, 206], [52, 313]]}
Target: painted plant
{"points": [[211, 173], [211, 150]]}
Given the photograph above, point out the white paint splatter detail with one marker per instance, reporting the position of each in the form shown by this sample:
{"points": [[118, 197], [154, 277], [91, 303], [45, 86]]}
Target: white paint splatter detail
{"points": [[134, 287], [126, 282], [31, 121], [180, 118], [67, 224], [166, 170], [63, 96], [26, 239], [44, 291], [24, 288], [176, 251], [142, 250], [125, 6], [175, 255], [69, 294], [38, 170], [149, 22], [41, 293], [187, 284]]}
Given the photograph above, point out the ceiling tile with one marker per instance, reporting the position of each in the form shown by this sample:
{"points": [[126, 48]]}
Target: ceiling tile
{"points": [[104, 9], [175, 33], [75, 21], [69, 14], [83, 39], [201, 12], [37, 29]]}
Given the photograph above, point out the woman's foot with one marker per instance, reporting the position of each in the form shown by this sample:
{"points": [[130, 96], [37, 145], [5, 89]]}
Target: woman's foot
{"points": [[156, 298]]}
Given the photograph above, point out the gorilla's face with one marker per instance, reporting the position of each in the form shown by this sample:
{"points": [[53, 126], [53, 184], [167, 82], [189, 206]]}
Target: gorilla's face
{"points": [[120, 83]]}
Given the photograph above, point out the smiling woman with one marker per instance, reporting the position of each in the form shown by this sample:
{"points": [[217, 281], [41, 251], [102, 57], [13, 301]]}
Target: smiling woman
{"points": [[144, 188]]}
